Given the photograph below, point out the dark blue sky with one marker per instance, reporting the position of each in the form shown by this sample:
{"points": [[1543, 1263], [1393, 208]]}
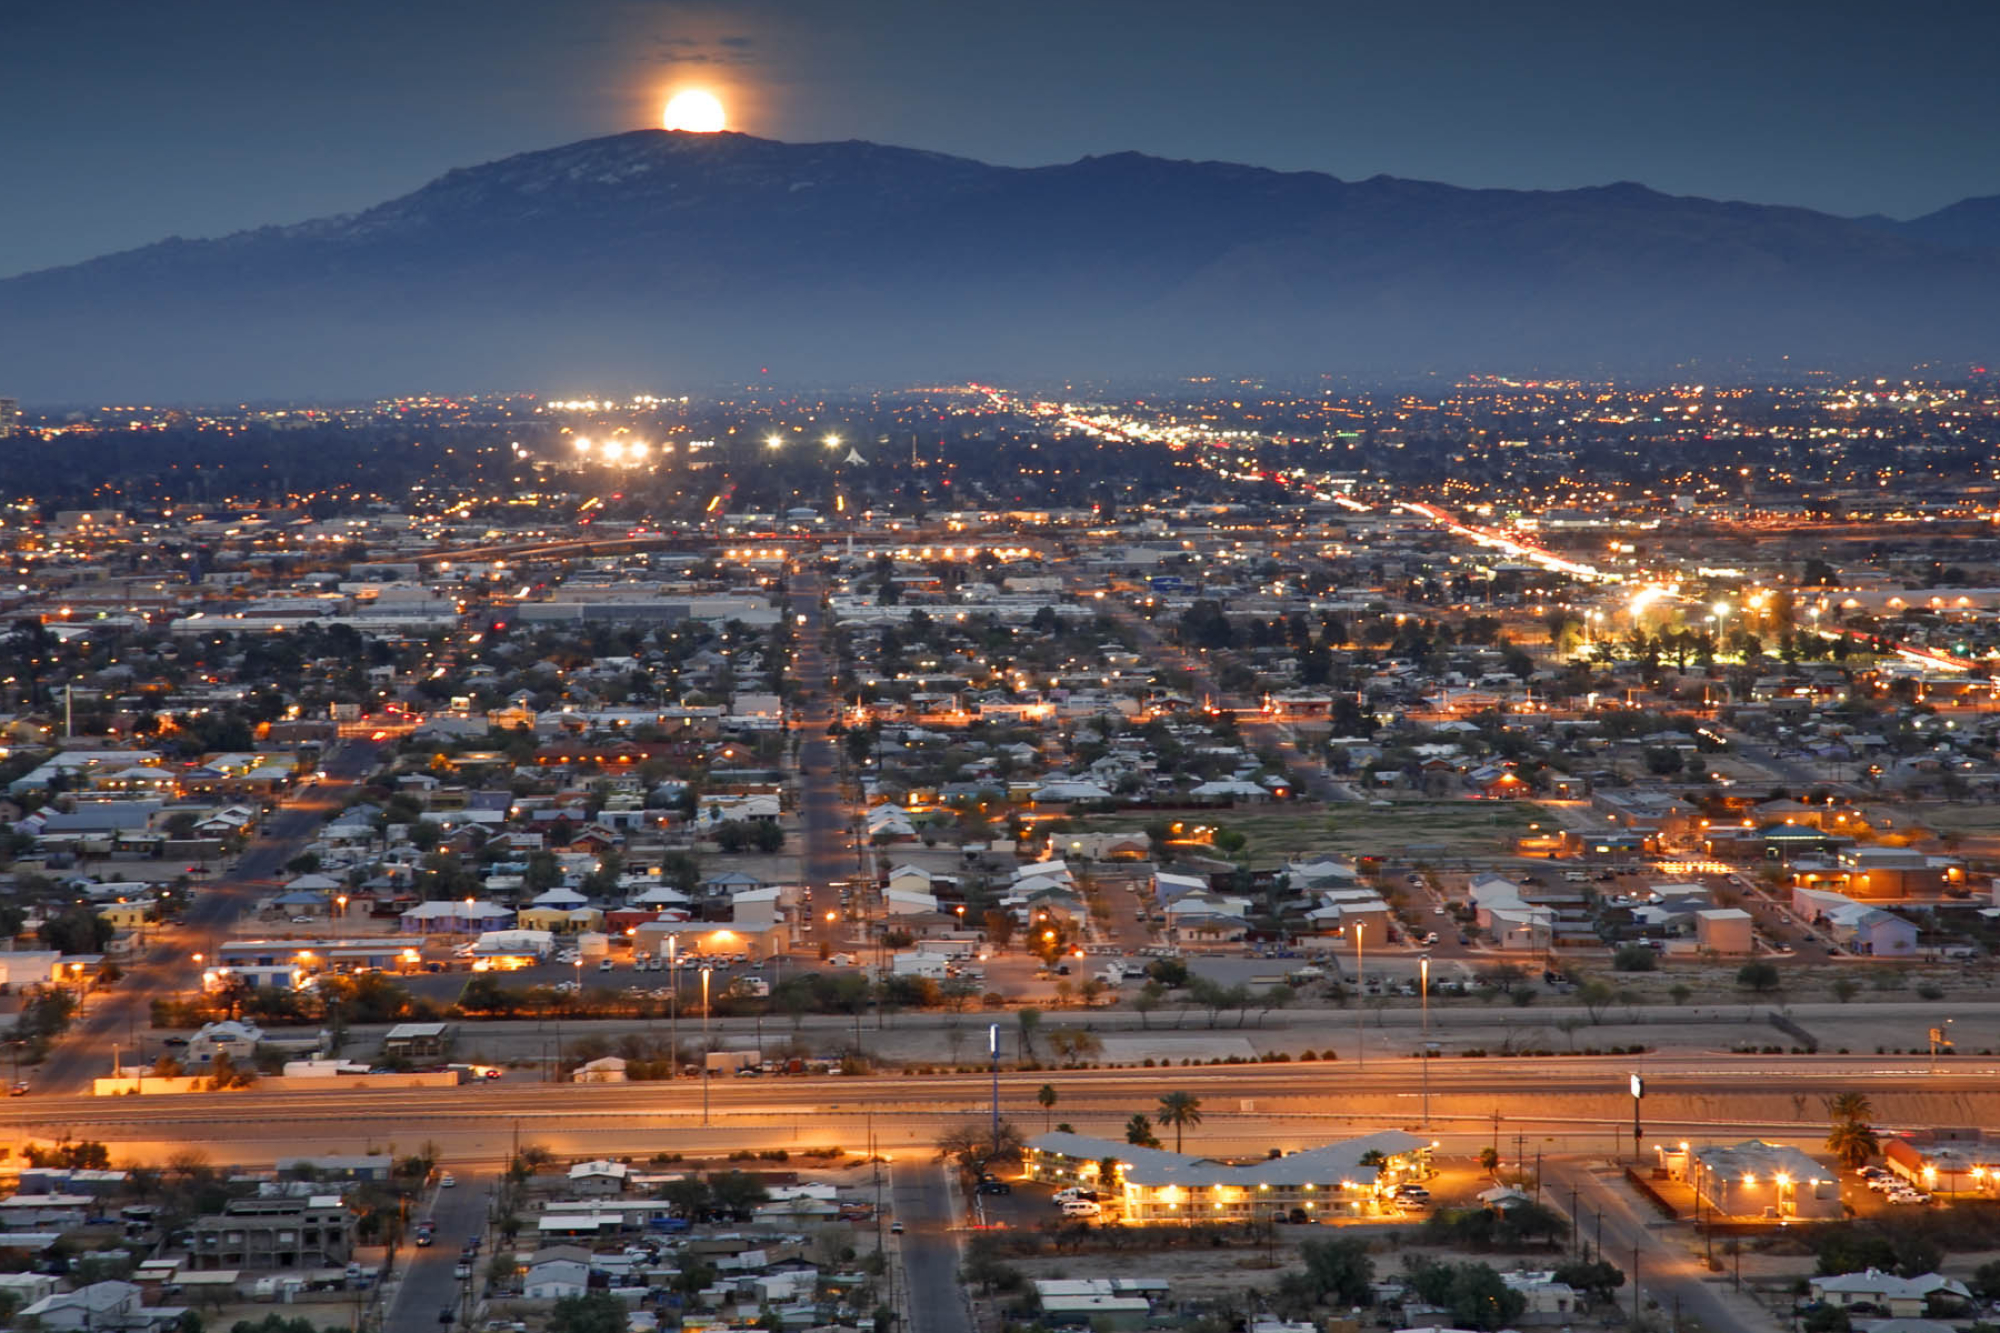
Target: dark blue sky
{"points": [[122, 122]]}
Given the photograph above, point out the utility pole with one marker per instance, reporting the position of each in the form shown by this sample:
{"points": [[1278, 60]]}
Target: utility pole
{"points": [[1635, 1284]]}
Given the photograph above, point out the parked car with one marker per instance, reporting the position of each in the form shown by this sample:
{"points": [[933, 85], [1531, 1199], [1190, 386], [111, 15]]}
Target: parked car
{"points": [[1081, 1208]]}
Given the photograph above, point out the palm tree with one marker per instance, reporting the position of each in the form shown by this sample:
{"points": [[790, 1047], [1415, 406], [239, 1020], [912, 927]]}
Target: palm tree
{"points": [[1047, 1097], [1139, 1133], [1850, 1106], [1180, 1109], [1853, 1142]]}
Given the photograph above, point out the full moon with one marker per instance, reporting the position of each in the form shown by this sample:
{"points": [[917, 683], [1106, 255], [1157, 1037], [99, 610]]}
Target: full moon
{"points": [[694, 111]]}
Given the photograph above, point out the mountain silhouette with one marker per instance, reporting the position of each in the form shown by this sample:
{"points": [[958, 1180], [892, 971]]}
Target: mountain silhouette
{"points": [[653, 259]]}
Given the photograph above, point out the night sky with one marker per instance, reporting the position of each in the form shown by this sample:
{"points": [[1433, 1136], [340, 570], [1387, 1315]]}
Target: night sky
{"points": [[124, 122]]}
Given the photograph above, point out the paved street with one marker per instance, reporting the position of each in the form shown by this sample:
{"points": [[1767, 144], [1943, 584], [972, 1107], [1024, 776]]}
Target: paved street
{"points": [[429, 1284], [122, 1016], [1669, 1277], [930, 1248]]}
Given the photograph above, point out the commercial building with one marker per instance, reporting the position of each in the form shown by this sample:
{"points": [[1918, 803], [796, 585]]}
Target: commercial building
{"points": [[1156, 1186], [1755, 1179]]}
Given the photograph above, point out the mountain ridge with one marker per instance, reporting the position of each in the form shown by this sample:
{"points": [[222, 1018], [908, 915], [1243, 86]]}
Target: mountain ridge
{"points": [[652, 256]]}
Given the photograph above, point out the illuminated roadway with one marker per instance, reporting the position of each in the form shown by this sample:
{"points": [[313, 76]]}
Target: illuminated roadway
{"points": [[1580, 1097], [122, 1015]]}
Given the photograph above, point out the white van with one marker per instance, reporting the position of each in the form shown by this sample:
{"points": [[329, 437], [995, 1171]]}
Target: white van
{"points": [[1080, 1208]]}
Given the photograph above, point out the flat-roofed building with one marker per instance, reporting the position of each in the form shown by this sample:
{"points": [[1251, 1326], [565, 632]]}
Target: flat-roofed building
{"points": [[275, 1234], [1155, 1186]]}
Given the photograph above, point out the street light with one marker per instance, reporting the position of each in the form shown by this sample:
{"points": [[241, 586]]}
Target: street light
{"points": [[704, 1044], [1424, 990], [1638, 1095], [1360, 1018], [674, 1004]]}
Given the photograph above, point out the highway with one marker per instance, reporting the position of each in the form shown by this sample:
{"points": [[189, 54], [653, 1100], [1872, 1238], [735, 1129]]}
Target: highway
{"points": [[120, 1016], [1581, 1103]]}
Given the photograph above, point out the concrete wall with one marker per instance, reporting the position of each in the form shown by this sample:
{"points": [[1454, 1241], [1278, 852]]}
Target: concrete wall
{"points": [[119, 1087]]}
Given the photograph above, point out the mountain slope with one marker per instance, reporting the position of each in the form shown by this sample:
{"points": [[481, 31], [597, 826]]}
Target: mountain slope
{"points": [[655, 258]]}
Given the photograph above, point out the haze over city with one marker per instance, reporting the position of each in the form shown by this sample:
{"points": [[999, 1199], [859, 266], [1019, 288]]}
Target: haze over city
{"points": [[1269, 668]]}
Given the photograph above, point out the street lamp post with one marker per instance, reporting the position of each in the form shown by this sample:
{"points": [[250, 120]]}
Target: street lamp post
{"points": [[704, 1044], [1360, 1017], [1424, 1055], [674, 1005], [1638, 1095], [993, 1055]]}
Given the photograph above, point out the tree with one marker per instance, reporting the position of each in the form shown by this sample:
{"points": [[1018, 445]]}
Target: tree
{"points": [[1594, 1278], [736, 1193], [1074, 1045], [1146, 1001], [1029, 1021], [1181, 1110], [1853, 1142], [687, 1196], [1760, 977], [1474, 1293], [1489, 1160], [1337, 1270], [1139, 1132], [78, 930], [595, 1311], [1046, 1095], [999, 927], [971, 1145], [1634, 958], [1850, 1106], [1595, 994]]}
